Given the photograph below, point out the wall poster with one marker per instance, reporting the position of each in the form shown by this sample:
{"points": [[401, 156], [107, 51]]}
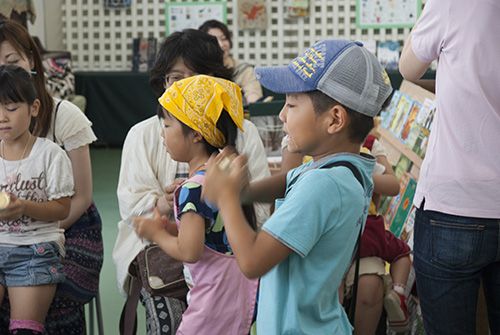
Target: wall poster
{"points": [[387, 13], [182, 15]]}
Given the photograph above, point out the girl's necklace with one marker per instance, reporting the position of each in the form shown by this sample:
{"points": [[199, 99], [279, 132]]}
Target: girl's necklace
{"points": [[20, 161], [197, 169]]}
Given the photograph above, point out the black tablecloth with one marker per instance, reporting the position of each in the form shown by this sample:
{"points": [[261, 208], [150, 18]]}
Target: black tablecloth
{"points": [[115, 102]]}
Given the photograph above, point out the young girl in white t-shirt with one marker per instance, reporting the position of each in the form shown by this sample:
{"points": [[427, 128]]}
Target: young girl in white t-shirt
{"points": [[36, 182]]}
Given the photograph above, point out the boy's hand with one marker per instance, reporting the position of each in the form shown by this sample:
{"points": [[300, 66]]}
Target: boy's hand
{"points": [[151, 228], [229, 182], [165, 203], [14, 210]]}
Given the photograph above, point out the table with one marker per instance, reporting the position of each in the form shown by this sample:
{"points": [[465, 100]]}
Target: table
{"points": [[115, 102]]}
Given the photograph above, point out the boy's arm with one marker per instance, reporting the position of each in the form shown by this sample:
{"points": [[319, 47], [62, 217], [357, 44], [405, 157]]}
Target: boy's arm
{"points": [[256, 253], [54, 210], [266, 190]]}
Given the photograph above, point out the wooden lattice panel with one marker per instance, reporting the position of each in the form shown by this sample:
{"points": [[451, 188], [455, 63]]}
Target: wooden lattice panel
{"points": [[100, 39]]}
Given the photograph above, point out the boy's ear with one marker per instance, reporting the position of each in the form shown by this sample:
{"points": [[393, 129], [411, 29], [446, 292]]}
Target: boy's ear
{"points": [[35, 107], [337, 118]]}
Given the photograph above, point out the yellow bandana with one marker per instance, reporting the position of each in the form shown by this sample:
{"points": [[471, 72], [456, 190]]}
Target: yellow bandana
{"points": [[198, 102]]}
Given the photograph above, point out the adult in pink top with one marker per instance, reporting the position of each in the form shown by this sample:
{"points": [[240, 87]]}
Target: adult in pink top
{"points": [[457, 224]]}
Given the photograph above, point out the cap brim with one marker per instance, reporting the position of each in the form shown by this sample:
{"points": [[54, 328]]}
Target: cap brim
{"points": [[280, 79]]}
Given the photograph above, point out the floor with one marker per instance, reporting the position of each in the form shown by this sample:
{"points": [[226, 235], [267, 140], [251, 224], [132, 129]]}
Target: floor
{"points": [[105, 169]]}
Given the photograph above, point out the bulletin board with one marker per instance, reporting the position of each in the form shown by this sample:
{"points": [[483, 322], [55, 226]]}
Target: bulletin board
{"points": [[185, 15], [387, 13]]}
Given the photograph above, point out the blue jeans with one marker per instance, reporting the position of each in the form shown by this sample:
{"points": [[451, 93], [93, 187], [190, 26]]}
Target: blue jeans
{"points": [[452, 255]]}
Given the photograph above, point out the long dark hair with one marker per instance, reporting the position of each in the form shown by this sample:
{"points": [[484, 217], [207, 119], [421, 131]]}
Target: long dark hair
{"points": [[16, 85], [21, 40], [199, 51]]}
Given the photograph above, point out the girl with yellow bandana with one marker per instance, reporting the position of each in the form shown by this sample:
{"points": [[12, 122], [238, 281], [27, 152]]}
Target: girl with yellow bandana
{"points": [[200, 115]]}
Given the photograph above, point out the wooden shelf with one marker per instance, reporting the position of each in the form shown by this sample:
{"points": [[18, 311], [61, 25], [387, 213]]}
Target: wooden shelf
{"points": [[399, 146]]}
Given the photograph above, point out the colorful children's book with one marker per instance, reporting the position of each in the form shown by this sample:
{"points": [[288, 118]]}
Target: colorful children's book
{"points": [[404, 165], [410, 121], [404, 206], [387, 113], [425, 110], [388, 54], [394, 203], [400, 114], [407, 232]]}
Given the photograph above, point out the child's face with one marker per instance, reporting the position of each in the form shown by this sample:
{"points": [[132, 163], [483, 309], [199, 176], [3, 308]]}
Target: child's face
{"points": [[10, 56], [15, 118], [174, 138], [302, 125]]}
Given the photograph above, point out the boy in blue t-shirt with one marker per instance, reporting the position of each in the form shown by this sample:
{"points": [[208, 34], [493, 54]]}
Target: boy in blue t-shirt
{"points": [[333, 91]]}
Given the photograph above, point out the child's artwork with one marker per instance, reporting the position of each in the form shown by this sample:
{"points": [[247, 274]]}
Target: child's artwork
{"points": [[297, 8], [252, 14], [370, 45], [400, 114], [387, 13], [388, 54], [410, 122], [389, 111], [117, 3], [183, 15]]}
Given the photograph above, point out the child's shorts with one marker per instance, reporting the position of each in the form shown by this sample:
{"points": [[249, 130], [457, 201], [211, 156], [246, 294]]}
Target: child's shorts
{"points": [[368, 266], [31, 265]]}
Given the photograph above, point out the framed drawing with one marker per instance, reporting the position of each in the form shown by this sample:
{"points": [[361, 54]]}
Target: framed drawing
{"points": [[387, 13], [182, 15]]}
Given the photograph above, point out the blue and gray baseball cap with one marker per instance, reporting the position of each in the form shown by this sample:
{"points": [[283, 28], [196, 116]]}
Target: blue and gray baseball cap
{"points": [[344, 70]]}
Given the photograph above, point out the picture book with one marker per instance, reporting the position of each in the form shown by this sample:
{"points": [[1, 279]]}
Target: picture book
{"points": [[410, 122], [407, 231], [388, 54], [404, 206], [400, 114], [394, 203], [387, 113], [427, 107], [404, 164]]}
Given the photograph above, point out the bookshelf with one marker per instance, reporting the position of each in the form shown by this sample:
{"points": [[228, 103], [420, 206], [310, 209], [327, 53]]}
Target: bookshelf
{"points": [[394, 147]]}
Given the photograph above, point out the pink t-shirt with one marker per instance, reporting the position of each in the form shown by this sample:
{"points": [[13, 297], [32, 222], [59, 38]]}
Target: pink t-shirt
{"points": [[461, 171]]}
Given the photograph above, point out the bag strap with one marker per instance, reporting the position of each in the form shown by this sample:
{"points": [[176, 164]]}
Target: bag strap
{"points": [[355, 171], [128, 318], [55, 115]]}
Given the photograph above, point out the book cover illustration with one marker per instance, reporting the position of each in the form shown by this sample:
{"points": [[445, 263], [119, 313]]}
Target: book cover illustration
{"points": [[394, 203], [407, 231], [404, 165], [387, 113], [410, 121], [404, 206], [424, 112], [420, 147], [400, 114], [388, 54]]}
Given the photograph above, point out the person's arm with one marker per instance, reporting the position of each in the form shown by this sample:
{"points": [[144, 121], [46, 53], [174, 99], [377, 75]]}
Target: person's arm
{"points": [[290, 160], [256, 253], [57, 209], [410, 66], [187, 246], [82, 173], [387, 183]]}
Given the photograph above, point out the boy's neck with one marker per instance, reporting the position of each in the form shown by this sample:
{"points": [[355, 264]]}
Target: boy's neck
{"points": [[343, 146]]}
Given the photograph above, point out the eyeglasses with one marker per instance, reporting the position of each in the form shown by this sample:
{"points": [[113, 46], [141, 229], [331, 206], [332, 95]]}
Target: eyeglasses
{"points": [[170, 79]]}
